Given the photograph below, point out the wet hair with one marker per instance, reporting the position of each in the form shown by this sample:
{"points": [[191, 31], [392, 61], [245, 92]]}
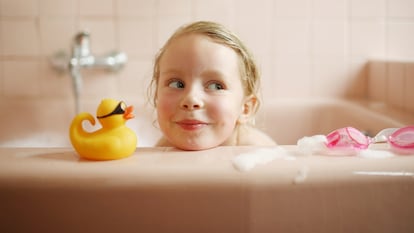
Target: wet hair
{"points": [[219, 34]]}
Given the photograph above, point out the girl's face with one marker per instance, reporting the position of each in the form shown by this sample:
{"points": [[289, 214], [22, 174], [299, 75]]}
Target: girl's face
{"points": [[200, 96]]}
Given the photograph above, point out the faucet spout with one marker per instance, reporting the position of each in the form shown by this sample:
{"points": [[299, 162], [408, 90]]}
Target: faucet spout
{"points": [[81, 57], [76, 84]]}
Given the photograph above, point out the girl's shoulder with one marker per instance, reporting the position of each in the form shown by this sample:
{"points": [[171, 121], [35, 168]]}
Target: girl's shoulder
{"points": [[251, 136]]}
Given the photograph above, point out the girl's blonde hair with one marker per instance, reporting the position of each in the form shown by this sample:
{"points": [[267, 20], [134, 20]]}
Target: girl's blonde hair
{"points": [[218, 33]]}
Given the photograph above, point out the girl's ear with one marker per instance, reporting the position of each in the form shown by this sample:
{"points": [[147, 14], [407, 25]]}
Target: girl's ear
{"points": [[248, 110]]}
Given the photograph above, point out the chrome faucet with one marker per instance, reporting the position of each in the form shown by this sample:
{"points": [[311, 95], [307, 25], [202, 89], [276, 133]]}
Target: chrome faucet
{"points": [[82, 57]]}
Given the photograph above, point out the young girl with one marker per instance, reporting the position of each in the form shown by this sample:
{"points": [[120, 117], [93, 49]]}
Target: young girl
{"points": [[206, 90]]}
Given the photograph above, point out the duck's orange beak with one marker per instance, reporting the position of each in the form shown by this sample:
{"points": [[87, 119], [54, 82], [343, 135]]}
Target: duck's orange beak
{"points": [[128, 112]]}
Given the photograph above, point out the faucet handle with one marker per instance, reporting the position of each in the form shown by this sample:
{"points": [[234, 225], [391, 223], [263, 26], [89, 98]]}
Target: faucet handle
{"points": [[81, 35], [115, 61], [81, 44]]}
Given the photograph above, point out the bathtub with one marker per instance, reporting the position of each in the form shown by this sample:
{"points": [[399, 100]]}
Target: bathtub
{"points": [[286, 121], [48, 188]]}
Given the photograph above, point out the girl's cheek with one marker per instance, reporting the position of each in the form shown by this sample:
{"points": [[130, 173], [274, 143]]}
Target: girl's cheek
{"points": [[166, 102], [219, 109]]}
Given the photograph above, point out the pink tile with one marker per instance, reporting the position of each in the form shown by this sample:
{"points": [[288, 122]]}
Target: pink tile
{"points": [[367, 39], [292, 79], [145, 9], [328, 9], [58, 8], [19, 8], [293, 8], [222, 11], [135, 78], [292, 37], [400, 37], [368, 9], [21, 78], [329, 78], [54, 84], [136, 38], [395, 84], [167, 26], [56, 35], [260, 13], [401, 8], [102, 35], [98, 84], [257, 11], [19, 37], [266, 73], [264, 64], [305, 47], [96, 8], [329, 38], [178, 8]]}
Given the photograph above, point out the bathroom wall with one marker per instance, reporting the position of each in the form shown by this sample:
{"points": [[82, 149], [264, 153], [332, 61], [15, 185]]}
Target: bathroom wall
{"points": [[305, 48]]}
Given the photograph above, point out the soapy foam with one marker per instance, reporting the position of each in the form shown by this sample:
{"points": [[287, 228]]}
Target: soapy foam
{"points": [[301, 175], [375, 154], [312, 144], [250, 159]]}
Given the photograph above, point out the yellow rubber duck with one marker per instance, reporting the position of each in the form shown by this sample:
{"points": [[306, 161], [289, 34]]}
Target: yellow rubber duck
{"points": [[113, 141]]}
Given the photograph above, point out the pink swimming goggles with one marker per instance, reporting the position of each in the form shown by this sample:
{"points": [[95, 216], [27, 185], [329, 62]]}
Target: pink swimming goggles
{"points": [[401, 140]]}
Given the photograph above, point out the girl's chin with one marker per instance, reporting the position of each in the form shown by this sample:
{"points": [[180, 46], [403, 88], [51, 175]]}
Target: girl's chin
{"points": [[193, 147]]}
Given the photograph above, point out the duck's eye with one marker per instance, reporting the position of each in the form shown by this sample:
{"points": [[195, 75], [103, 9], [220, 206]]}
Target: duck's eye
{"points": [[123, 106], [176, 84], [215, 86], [120, 109]]}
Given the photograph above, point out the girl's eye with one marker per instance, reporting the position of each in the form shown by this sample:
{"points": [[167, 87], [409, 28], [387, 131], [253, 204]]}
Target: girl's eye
{"points": [[176, 84], [215, 86]]}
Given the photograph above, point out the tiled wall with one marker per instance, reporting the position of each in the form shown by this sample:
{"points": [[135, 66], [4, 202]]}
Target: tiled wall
{"points": [[392, 82], [306, 48]]}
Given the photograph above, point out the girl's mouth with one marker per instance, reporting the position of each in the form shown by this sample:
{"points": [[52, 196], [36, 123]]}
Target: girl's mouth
{"points": [[190, 124]]}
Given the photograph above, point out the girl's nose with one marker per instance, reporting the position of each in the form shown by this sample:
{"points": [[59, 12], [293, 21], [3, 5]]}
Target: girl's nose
{"points": [[192, 101]]}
